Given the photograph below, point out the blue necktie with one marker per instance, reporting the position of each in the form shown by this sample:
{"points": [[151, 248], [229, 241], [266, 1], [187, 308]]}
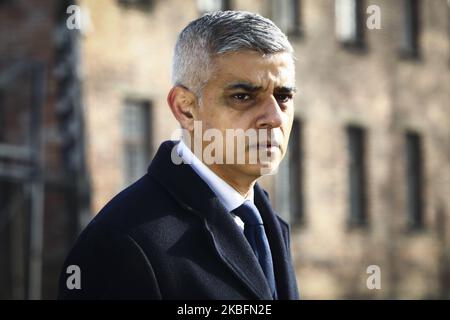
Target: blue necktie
{"points": [[256, 237]]}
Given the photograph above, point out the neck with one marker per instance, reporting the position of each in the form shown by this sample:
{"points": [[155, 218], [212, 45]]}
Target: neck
{"points": [[241, 184]]}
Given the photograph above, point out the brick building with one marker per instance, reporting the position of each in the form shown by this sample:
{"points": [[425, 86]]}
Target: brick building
{"points": [[373, 108], [367, 178]]}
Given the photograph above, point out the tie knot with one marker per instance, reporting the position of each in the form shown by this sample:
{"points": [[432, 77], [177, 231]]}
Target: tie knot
{"points": [[248, 213]]}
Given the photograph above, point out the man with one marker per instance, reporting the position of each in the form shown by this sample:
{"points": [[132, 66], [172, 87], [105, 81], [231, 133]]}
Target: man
{"points": [[192, 228]]}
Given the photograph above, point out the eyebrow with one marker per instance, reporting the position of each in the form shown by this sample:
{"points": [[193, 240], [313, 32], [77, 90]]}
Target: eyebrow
{"points": [[249, 87], [286, 89], [243, 86]]}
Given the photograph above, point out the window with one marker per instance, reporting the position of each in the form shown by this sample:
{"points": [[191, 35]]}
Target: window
{"points": [[287, 16], [137, 134], [289, 188], [136, 4], [414, 180], [349, 22], [205, 6], [357, 176], [411, 27]]}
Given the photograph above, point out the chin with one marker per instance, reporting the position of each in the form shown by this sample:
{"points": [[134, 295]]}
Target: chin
{"points": [[269, 168], [261, 169]]}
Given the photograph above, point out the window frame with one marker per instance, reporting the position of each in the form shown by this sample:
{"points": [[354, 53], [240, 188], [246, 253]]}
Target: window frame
{"points": [[141, 140]]}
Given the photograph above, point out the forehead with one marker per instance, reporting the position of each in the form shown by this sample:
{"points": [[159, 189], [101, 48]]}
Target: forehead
{"points": [[252, 67]]}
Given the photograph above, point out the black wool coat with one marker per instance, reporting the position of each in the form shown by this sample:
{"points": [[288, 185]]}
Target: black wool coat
{"points": [[167, 236]]}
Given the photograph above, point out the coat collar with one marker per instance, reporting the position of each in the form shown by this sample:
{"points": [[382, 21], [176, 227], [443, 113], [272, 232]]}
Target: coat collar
{"points": [[195, 196]]}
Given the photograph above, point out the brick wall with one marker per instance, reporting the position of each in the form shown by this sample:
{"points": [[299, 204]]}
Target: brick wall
{"points": [[128, 52]]}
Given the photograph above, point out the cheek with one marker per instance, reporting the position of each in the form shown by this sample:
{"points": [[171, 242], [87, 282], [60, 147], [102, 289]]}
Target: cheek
{"points": [[211, 112], [227, 119], [216, 113], [207, 116]]}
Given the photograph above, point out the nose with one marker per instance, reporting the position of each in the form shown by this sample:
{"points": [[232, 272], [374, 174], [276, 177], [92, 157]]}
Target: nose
{"points": [[272, 116]]}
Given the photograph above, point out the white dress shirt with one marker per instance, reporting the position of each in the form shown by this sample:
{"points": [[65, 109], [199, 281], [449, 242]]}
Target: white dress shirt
{"points": [[228, 196]]}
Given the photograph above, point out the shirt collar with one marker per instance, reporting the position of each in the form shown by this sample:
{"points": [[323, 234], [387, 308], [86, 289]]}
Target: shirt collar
{"points": [[229, 197]]}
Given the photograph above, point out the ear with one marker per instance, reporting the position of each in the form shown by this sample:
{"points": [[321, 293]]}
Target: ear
{"points": [[182, 102]]}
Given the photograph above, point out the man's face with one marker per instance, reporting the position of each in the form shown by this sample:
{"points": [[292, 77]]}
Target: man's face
{"points": [[249, 91]]}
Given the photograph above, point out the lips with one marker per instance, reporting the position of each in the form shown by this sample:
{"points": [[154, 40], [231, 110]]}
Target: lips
{"points": [[272, 144]]}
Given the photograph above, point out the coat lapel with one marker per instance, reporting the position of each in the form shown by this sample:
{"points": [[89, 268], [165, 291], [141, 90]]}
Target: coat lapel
{"points": [[195, 196], [234, 250], [278, 235]]}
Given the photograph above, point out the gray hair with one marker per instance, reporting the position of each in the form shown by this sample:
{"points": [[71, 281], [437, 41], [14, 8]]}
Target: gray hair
{"points": [[218, 33]]}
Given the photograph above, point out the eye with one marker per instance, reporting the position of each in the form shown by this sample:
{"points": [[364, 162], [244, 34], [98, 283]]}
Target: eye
{"points": [[283, 97], [241, 96]]}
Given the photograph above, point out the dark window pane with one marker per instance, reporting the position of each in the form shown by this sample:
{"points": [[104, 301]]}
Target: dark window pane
{"points": [[411, 28], [227, 5], [296, 173], [350, 22], [414, 180], [287, 16], [137, 4], [289, 191], [357, 178], [205, 6]]}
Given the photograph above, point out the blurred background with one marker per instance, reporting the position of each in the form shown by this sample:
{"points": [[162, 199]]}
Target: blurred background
{"points": [[367, 177]]}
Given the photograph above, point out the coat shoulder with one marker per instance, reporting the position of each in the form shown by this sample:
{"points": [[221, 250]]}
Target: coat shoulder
{"points": [[109, 246], [142, 202]]}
